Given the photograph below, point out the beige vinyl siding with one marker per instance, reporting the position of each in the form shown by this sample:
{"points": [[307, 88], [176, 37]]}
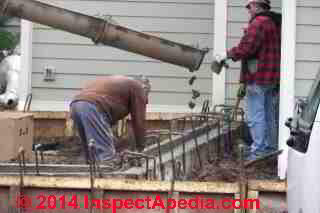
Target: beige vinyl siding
{"points": [[76, 59], [308, 45], [237, 19]]}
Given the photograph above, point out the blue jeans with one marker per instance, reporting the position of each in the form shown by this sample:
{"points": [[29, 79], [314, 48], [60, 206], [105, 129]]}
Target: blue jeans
{"points": [[93, 124], [262, 117]]}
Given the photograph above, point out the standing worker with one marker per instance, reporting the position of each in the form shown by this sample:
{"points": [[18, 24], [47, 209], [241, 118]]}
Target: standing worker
{"points": [[101, 104], [260, 53]]}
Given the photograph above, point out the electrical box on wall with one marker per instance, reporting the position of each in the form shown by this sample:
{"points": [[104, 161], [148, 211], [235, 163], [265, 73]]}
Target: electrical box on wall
{"points": [[49, 74]]}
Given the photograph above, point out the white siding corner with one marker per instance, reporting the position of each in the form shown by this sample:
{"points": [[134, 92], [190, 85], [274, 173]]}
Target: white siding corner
{"points": [[220, 40], [287, 88]]}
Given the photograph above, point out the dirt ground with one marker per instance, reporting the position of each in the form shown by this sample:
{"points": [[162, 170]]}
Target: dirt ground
{"points": [[228, 170], [70, 150]]}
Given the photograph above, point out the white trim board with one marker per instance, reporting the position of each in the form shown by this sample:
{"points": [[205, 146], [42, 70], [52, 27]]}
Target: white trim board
{"points": [[26, 62], [220, 42], [287, 82]]}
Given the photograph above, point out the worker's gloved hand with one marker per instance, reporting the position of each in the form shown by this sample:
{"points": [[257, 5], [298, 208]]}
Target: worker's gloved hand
{"points": [[241, 91], [220, 57], [218, 62]]}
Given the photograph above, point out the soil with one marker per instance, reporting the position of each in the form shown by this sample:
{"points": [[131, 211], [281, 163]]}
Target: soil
{"points": [[228, 170], [69, 150]]}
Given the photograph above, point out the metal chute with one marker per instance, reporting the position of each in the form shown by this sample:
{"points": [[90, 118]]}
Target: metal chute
{"points": [[104, 32]]}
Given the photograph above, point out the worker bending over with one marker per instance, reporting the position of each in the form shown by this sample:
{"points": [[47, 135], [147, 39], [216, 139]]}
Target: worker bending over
{"points": [[102, 103]]}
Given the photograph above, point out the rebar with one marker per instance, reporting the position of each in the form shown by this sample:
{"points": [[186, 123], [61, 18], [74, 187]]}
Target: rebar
{"points": [[91, 147], [243, 182], [195, 138], [139, 155], [36, 157]]}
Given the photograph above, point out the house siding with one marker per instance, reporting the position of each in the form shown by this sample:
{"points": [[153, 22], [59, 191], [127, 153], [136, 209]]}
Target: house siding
{"points": [[76, 59], [307, 46]]}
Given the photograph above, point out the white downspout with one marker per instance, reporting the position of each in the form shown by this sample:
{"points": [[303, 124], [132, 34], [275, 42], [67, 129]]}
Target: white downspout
{"points": [[287, 82], [26, 62], [219, 46]]}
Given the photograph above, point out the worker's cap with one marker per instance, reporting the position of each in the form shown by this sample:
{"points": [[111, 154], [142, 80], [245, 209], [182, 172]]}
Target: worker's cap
{"points": [[145, 82], [265, 2]]}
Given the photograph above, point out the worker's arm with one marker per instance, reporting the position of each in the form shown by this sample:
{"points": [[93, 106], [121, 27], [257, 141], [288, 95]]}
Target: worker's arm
{"points": [[249, 43], [138, 116]]}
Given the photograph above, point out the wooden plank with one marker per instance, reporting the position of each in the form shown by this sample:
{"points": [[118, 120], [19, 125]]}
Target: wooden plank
{"points": [[116, 184], [49, 115], [267, 186], [64, 115]]}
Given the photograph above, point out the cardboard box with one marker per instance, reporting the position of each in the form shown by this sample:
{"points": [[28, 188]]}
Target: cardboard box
{"points": [[16, 129]]}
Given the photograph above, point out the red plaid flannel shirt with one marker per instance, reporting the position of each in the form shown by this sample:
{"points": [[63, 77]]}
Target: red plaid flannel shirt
{"points": [[262, 41]]}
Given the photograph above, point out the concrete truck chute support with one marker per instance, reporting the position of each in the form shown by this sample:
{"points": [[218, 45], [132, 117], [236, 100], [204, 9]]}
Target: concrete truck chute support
{"points": [[101, 31]]}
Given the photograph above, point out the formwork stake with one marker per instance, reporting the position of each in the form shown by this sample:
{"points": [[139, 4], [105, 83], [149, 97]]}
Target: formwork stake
{"points": [[22, 165]]}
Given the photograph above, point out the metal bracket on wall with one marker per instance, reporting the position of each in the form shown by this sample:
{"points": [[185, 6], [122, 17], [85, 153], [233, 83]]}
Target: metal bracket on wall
{"points": [[49, 74]]}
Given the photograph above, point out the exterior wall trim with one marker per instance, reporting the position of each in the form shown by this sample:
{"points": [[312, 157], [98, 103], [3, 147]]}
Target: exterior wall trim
{"points": [[287, 82], [26, 62], [220, 41]]}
